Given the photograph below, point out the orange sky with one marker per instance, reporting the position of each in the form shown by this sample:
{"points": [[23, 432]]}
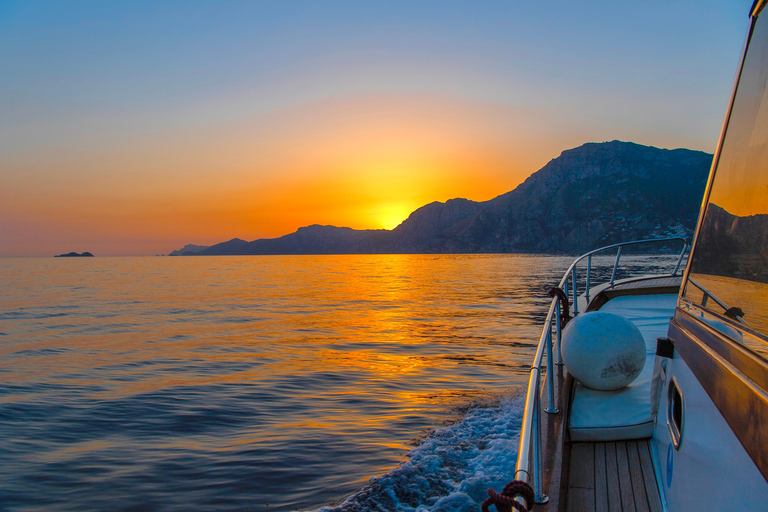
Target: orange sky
{"points": [[360, 162], [132, 129]]}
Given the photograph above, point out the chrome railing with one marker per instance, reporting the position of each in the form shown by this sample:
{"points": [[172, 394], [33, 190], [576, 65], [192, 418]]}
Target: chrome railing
{"points": [[706, 295], [529, 450]]}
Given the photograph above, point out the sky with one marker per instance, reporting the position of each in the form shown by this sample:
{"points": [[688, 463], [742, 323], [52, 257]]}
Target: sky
{"points": [[134, 128]]}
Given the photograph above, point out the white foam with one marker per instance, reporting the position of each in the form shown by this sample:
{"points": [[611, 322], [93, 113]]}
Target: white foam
{"points": [[452, 468]]}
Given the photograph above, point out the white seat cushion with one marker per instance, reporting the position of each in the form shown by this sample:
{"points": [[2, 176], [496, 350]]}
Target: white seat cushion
{"points": [[624, 413]]}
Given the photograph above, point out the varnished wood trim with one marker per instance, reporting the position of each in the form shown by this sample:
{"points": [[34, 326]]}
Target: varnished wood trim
{"points": [[752, 365], [757, 6], [606, 295], [741, 400]]}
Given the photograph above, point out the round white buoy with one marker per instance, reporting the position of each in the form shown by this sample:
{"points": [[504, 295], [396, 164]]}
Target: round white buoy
{"points": [[602, 350]]}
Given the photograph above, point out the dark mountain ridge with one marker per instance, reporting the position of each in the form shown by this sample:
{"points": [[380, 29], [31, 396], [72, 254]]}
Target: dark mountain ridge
{"points": [[596, 194], [188, 250]]}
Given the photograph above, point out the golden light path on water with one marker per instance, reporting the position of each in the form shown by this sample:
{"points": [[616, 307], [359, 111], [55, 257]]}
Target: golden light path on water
{"points": [[221, 382]]}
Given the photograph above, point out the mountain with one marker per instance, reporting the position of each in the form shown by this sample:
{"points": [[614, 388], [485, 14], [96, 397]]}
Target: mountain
{"points": [[593, 195], [188, 250], [313, 239], [229, 248]]}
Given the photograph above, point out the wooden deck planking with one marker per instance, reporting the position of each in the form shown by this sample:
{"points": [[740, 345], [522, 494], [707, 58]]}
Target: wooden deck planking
{"points": [[583, 499], [636, 477], [612, 477], [645, 283], [585, 475], [654, 499], [612, 481], [601, 479], [625, 480]]}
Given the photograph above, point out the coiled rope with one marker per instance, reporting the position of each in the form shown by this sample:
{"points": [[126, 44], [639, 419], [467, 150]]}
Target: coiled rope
{"points": [[505, 500], [563, 298]]}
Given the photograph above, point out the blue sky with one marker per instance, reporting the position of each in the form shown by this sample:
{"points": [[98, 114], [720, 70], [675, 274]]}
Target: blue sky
{"points": [[93, 93]]}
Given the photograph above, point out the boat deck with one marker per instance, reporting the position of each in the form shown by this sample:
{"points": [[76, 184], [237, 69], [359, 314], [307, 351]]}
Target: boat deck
{"points": [[612, 477]]}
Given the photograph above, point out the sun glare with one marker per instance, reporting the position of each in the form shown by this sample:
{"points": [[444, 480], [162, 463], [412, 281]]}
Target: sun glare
{"points": [[390, 216]]}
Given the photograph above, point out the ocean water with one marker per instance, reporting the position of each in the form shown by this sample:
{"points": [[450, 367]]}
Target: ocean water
{"points": [[266, 383]]}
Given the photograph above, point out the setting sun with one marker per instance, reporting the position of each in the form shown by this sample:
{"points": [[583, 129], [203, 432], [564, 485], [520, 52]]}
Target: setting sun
{"points": [[286, 256], [389, 216], [127, 160]]}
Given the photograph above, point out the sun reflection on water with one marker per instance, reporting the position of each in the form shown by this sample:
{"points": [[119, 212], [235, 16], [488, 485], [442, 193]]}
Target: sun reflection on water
{"points": [[320, 371]]}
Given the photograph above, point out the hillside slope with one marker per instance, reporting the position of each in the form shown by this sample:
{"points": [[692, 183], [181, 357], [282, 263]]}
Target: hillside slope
{"points": [[596, 194]]}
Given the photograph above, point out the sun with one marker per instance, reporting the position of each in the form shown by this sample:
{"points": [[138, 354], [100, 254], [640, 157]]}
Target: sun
{"points": [[390, 216]]}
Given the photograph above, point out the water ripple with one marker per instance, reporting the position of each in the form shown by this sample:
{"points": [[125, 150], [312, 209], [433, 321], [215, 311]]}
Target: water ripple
{"points": [[266, 383]]}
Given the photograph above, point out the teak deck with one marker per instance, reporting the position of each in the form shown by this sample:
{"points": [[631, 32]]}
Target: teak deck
{"points": [[612, 477]]}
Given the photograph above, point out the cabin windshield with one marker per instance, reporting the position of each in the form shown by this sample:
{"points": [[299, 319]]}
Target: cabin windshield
{"points": [[728, 277]]}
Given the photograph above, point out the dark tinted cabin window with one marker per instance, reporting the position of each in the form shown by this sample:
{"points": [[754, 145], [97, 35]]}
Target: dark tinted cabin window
{"points": [[729, 269]]}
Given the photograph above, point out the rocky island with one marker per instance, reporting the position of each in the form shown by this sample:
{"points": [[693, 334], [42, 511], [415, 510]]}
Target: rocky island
{"points": [[75, 255]]}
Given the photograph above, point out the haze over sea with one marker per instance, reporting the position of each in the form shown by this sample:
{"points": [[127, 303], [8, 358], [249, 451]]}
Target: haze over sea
{"points": [[266, 383]]}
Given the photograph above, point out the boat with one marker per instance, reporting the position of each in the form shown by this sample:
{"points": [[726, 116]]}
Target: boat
{"points": [[690, 432]]}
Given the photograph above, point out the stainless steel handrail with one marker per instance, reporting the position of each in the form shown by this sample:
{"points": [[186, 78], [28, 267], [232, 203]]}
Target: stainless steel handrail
{"points": [[530, 416], [709, 295], [530, 443], [618, 255]]}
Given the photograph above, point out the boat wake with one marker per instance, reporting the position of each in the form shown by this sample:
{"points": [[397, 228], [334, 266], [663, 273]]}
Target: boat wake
{"points": [[452, 467]]}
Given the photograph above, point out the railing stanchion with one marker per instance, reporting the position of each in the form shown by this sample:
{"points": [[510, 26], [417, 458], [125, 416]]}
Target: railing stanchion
{"points": [[575, 298], [558, 329], [540, 498], [589, 271], [552, 409], [615, 265]]}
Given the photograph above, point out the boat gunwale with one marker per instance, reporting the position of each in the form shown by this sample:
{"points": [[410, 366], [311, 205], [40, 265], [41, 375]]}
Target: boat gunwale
{"points": [[529, 445]]}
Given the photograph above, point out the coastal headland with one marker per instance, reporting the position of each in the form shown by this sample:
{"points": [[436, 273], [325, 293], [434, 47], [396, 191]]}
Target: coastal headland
{"points": [[592, 195]]}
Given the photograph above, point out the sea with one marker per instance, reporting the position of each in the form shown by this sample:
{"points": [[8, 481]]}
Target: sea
{"points": [[267, 383]]}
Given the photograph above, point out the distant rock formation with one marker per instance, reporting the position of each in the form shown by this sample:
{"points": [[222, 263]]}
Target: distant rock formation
{"points": [[593, 195], [188, 250], [313, 239], [75, 255]]}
